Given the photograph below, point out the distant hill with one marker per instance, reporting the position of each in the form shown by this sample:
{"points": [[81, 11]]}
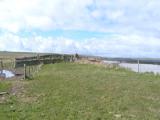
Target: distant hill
{"points": [[6, 54]]}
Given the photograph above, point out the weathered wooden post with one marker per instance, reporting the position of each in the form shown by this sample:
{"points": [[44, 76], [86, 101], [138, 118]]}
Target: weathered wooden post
{"points": [[38, 58], [24, 71], [2, 75], [138, 65], [32, 69], [76, 56], [62, 57], [52, 58], [36, 68], [1, 66], [14, 63], [71, 58], [29, 71]]}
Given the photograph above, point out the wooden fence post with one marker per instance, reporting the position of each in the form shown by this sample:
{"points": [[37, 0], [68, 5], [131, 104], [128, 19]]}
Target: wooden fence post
{"points": [[29, 71], [32, 69], [24, 71], [1, 67], [14, 64], [71, 58], [138, 65]]}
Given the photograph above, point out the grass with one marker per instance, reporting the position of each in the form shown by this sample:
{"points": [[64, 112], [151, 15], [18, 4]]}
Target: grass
{"points": [[70, 91], [4, 86], [6, 55]]}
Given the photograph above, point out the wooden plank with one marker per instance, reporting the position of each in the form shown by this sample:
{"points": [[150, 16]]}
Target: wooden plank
{"points": [[44, 59]]}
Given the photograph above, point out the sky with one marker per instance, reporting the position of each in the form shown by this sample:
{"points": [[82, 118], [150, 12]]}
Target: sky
{"points": [[110, 28]]}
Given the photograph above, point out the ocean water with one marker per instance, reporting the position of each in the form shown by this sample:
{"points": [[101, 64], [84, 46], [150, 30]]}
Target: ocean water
{"points": [[134, 67]]}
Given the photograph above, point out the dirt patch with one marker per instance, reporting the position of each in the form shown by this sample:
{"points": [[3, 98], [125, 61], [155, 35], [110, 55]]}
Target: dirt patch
{"points": [[20, 91], [17, 88], [98, 63], [89, 61]]}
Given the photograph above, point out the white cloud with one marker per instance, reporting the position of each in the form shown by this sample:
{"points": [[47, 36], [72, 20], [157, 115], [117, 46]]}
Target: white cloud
{"points": [[103, 15], [135, 25], [115, 47], [41, 14]]}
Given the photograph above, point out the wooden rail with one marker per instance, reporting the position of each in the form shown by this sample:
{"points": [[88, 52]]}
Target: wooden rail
{"points": [[43, 59]]}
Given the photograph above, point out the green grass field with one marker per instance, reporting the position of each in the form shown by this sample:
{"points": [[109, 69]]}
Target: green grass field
{"points": [[72, 91], [12, 55], [4, 86]]}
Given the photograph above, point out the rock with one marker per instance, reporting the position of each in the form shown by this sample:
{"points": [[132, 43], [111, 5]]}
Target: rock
{"points": [[118, 115]]}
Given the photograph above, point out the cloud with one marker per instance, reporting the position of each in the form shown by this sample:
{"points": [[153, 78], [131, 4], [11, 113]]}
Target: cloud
{"points": [[116, 47], [42, 14], [135, 26], [95, 15]]}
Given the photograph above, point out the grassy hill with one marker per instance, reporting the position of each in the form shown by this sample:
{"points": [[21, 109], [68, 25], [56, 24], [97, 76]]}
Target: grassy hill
{"points": [[72, 91], [5, 54]]}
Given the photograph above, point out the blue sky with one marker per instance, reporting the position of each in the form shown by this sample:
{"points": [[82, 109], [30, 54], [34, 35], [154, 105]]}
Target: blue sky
{"points": [[112, 28]]}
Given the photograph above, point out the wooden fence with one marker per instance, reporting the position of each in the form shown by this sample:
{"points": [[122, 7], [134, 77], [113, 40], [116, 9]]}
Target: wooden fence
{"points": [[43, 59], [26, 67], [32, 65]]}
